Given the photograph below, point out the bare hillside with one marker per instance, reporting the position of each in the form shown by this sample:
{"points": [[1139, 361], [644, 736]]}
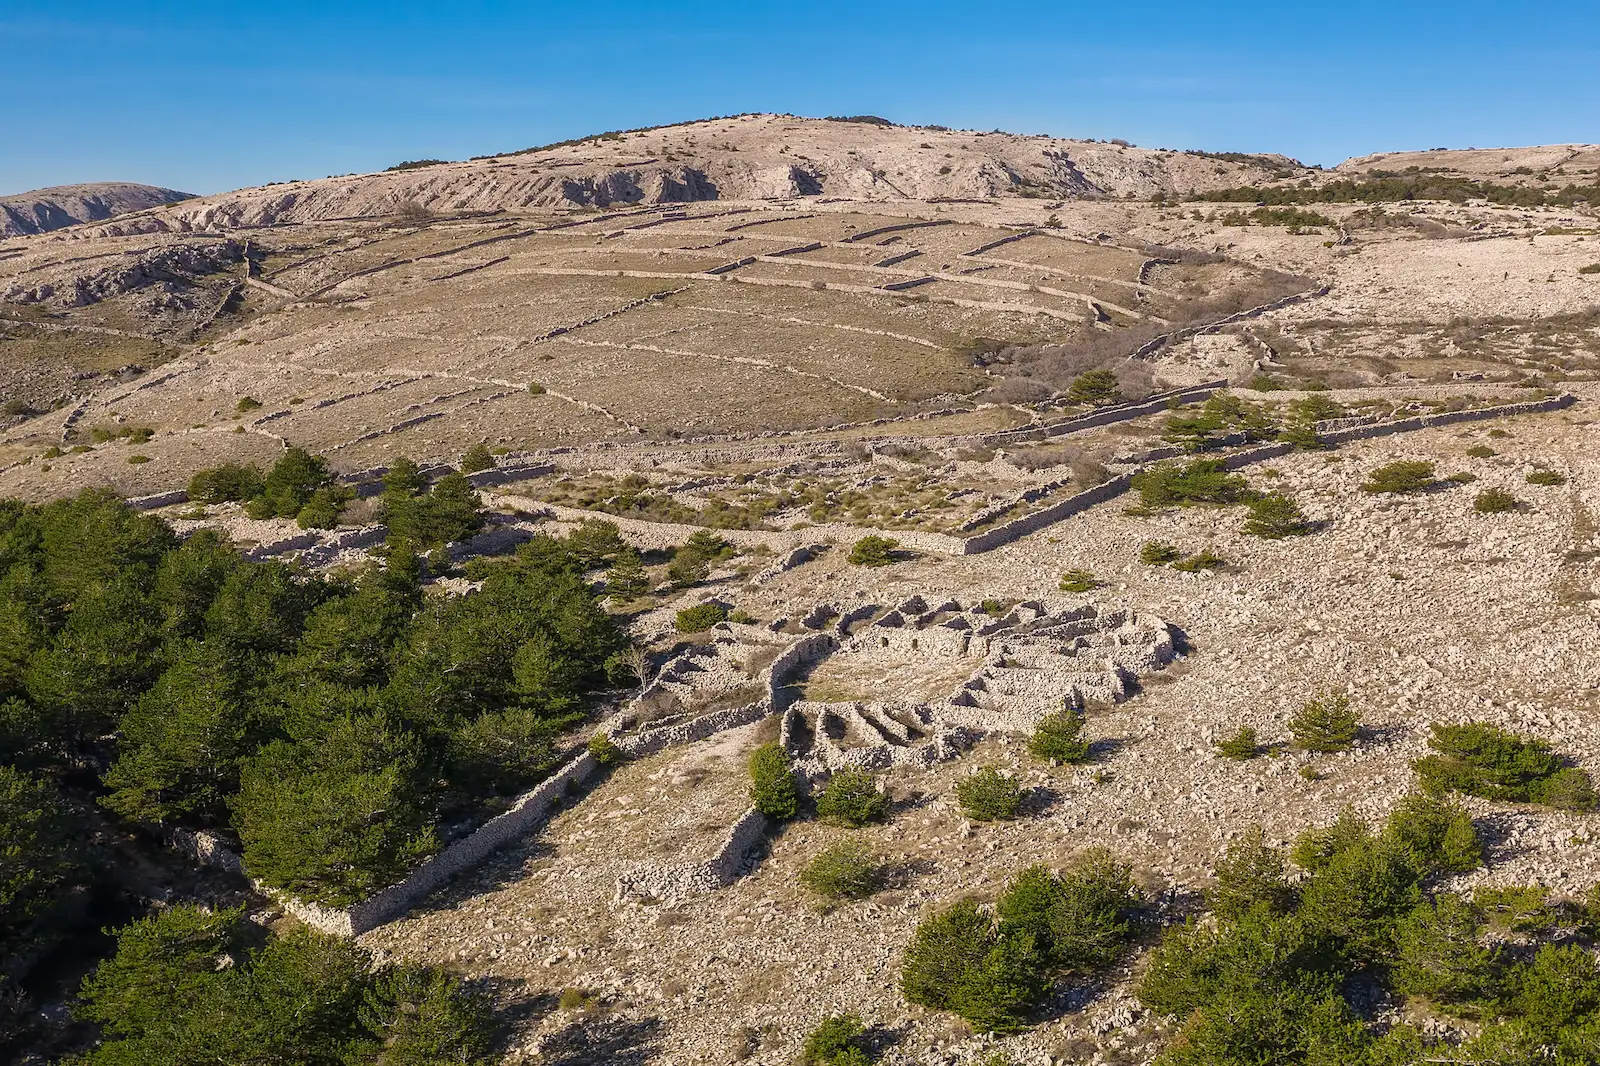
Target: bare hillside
{"points": [[752, 157], [43, 210]]}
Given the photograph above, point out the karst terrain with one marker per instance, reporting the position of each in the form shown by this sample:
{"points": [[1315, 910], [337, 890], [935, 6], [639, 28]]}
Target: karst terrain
{"points": [[1056, 485]]}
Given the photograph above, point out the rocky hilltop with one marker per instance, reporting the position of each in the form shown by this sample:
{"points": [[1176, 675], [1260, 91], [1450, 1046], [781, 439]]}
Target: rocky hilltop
{"points": [[43, 210], [750, 157]]}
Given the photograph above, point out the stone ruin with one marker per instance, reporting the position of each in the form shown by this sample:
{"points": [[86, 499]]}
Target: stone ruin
{"points": [[1020, 664], [1026, 662]]}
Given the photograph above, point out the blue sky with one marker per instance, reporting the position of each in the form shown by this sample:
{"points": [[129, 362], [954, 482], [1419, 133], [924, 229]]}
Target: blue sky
{"points": [[209, 97]]}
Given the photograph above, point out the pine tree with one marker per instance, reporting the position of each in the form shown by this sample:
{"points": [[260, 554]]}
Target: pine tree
{"points": [[334, 817], [627, 579], [182, 744], [1275, 516]]}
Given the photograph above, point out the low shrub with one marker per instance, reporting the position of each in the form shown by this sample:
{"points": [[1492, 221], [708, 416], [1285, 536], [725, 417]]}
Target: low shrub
{"points": [[1325, 724], [989, 796], [846, 870], [873, 550], [852, 798], [1461, 477], [1058, 738], [1250, 874], [604, 750], [246, 404], [836, 1041], [1079, 581], [1546, 478], [993, 968], [1494, 501], [1404, 476], [1199, 481], [1484, 760], [699, 618], [476, 458], [1205, 559], [1158, 553], [1222, 413], [1482, 451], [1241, 745], [1438, 836], [773, 790], [227, 483], [1275, 516]]}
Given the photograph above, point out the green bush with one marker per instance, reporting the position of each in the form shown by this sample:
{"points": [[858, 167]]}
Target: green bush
{"points": [[1157, 553], [1221, 414], [1080, 919], [845, 870], [873, 550], [1079, 581], [604, 750], [289, 485], [1546, 477], [187, 987], [227, 483], [852, 798], [994, 969], [1568, 789], [691, 564], [773, 790], [701, 617], [476, 458], [1204, 559], [1495, 501], [326, 505], [1484, 760], [1402, 476], [1250, 875], [1325, 724], [1436, 835], [336, 817], [1275, 516], [1241, 745], [836, 1041], [1482, 451], [1558, 988], [1357, 897], [595, 543], [989, 795], [1199, 481], [1057, 738], [428, 517]]}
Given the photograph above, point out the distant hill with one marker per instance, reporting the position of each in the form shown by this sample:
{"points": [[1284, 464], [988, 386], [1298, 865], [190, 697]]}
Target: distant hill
{"points": [[746, 157], [43, 210]]}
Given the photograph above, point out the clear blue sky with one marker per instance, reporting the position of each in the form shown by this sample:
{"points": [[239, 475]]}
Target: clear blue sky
{"points": [[212, 96]]}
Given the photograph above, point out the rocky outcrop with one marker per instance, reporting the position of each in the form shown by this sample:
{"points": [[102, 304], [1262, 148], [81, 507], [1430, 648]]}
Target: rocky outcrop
{"points": [[43, 210]]}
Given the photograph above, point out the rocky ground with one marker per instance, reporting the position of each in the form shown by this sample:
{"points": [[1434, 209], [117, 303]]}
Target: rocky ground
{"points": [[596, 344], [1417, 608]]}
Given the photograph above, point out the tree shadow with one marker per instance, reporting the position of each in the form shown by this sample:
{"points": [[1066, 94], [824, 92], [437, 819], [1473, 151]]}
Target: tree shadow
{"points": [[605, 1042], [1038, 800], [879, 1038], [1106, 747], [901, 874], [500, 870]]}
